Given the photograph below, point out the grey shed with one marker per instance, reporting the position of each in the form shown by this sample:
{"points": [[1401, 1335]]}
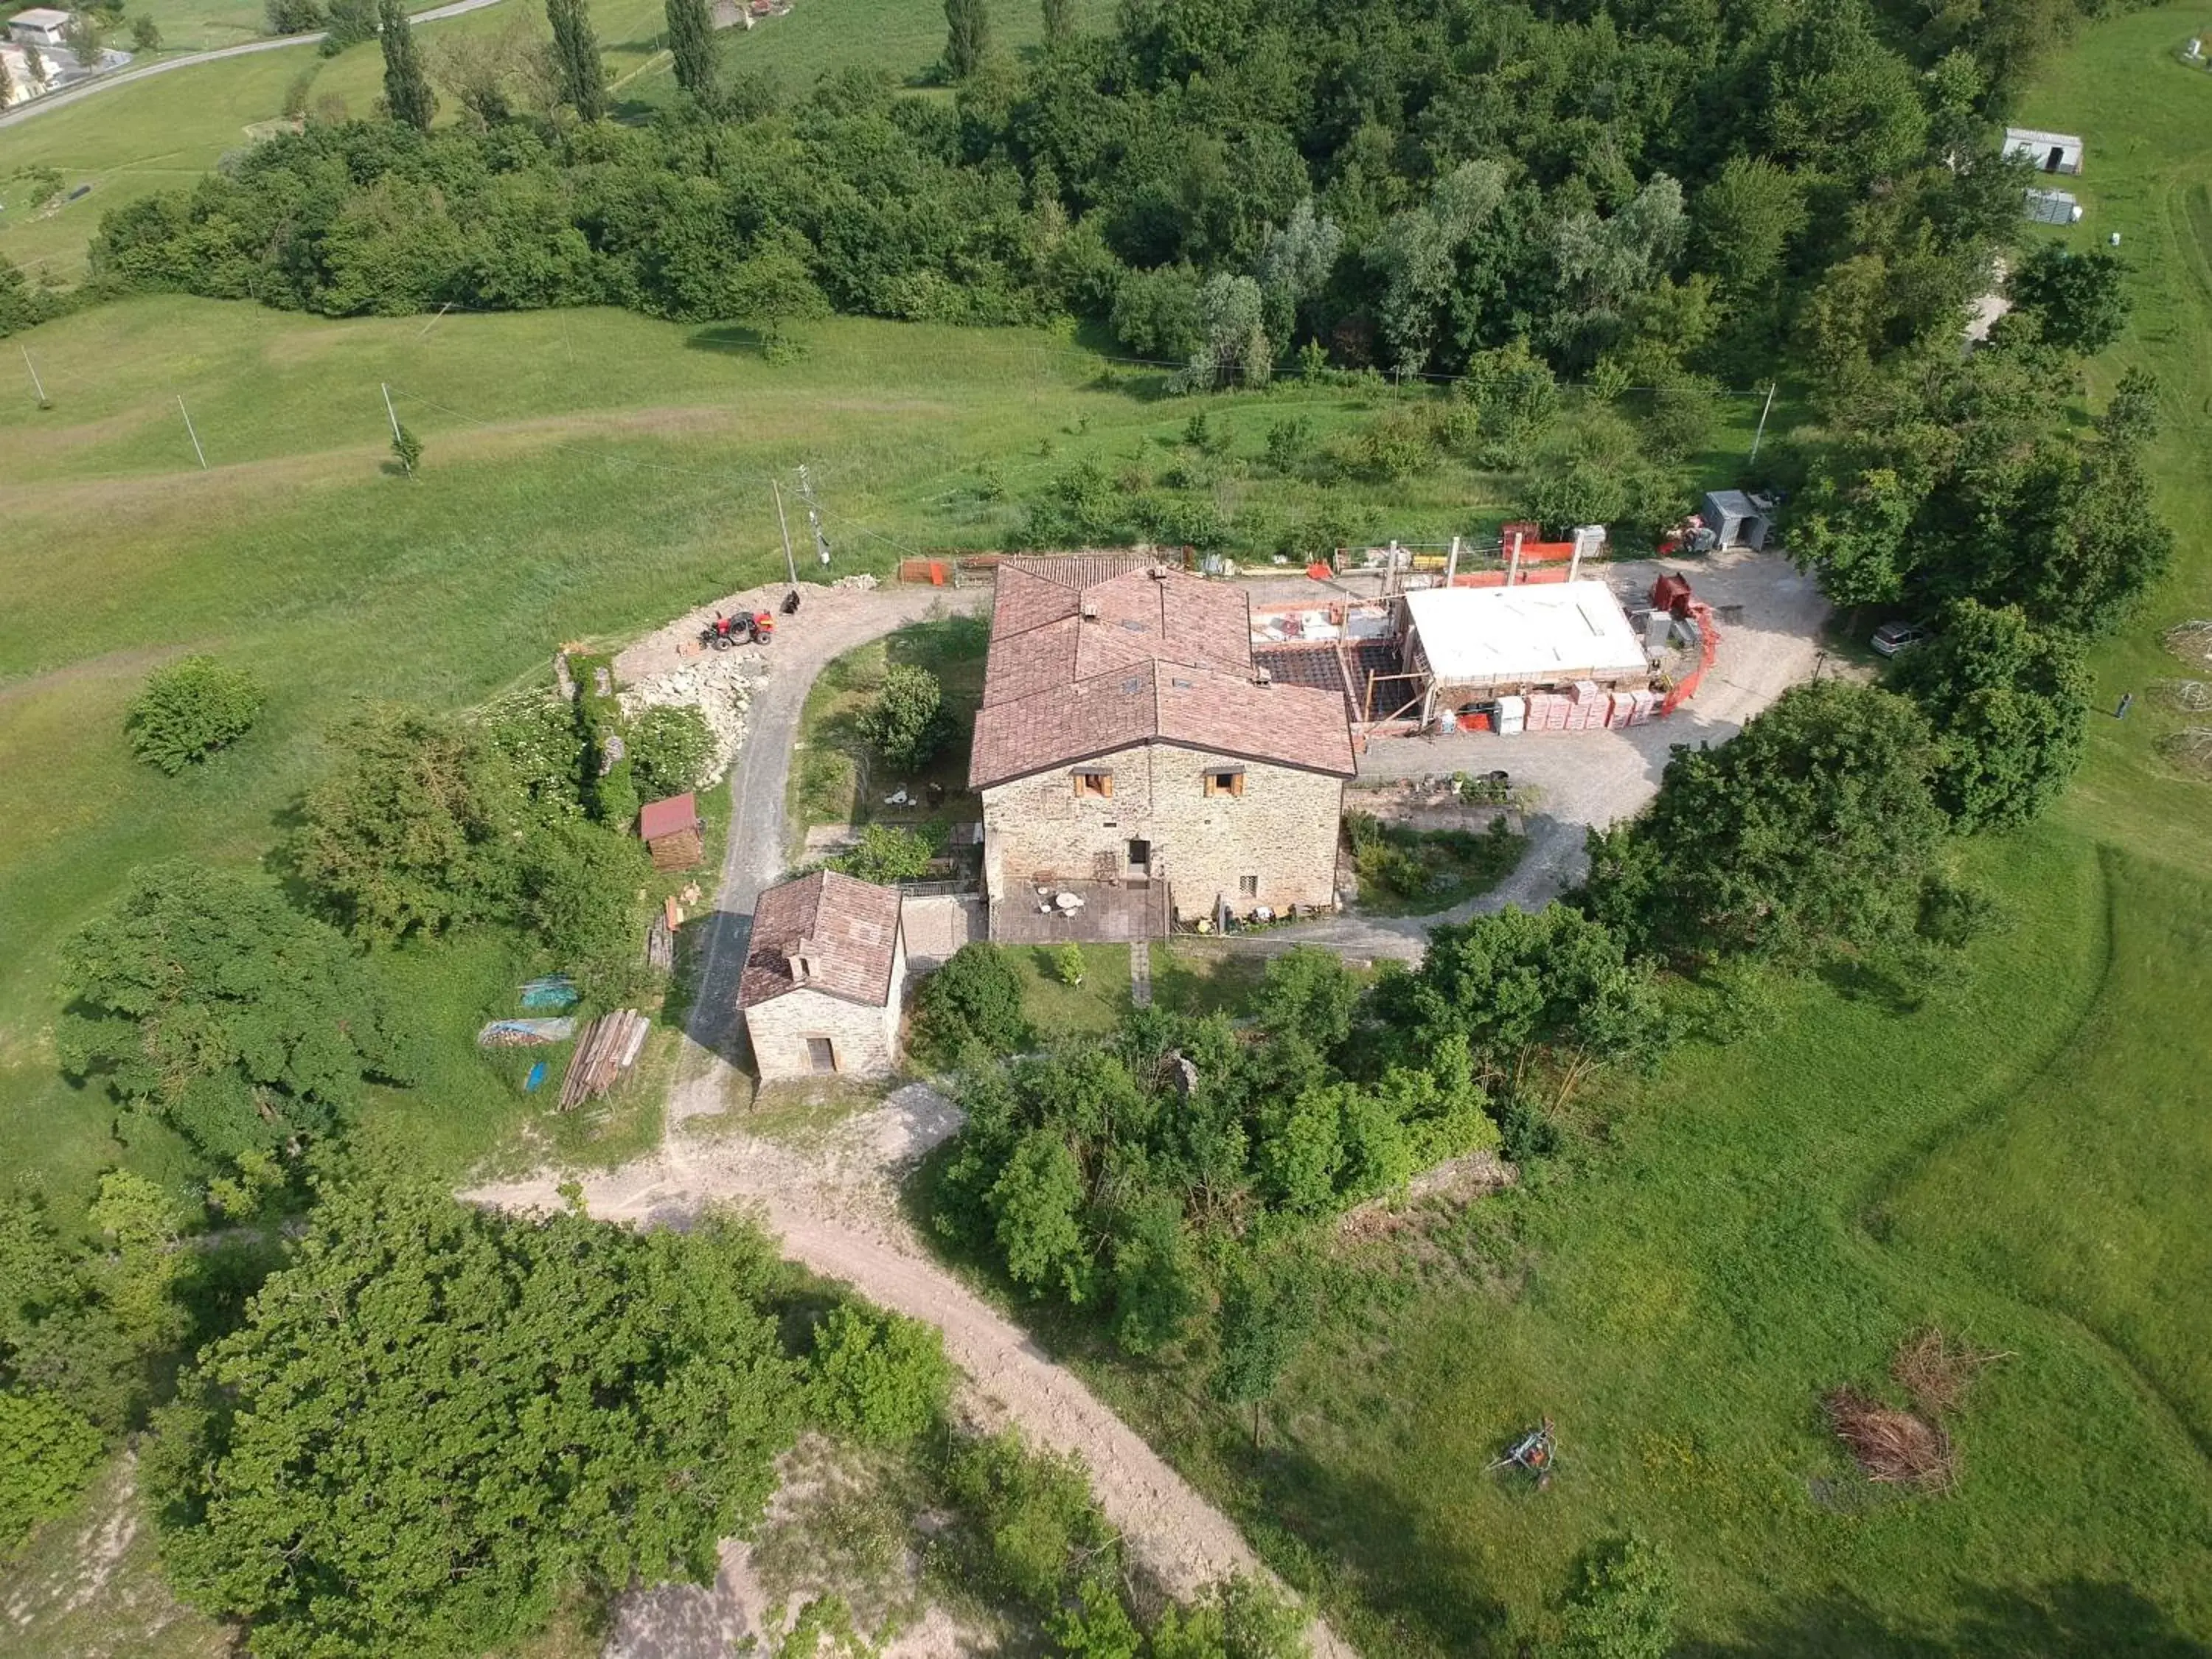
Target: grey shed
{"points": [[1738, 519]]}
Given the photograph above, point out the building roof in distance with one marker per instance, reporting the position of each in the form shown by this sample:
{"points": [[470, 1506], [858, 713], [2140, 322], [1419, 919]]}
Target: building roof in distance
{"points": [[2040, 139], [847, 930], [1531, 631], [1095, 652], [668, 817], [41, 17]]}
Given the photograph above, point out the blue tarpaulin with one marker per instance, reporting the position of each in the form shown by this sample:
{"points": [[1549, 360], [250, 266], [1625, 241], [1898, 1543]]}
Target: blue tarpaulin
{"points": [[555, 991]]}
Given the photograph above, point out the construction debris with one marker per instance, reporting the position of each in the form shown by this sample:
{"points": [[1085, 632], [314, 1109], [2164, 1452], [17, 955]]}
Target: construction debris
{"points": [[554, 991], [719, 686], [611, 1046], [523, 1033]]}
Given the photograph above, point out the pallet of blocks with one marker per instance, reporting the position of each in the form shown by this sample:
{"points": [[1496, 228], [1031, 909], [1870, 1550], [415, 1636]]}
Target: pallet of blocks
{"points": [[609, 1046]]}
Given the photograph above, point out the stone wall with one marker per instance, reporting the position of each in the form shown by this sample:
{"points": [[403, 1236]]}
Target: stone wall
{"points": [[865, 1040], [1281, 831]]}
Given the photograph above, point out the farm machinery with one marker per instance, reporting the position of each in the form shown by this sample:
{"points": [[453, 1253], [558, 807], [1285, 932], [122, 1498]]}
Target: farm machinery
{"points": [[746, 627]]}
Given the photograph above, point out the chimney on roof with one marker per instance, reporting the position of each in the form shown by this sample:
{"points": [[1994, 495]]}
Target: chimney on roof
{"points": [[1159, 573], [804, 957], [1261, 675], [1087, 610]]}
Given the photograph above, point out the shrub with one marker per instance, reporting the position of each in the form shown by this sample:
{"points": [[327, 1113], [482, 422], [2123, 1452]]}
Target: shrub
{"points": [[973, 1000], [190, 710], [877, 1376], [886, 853], [906, 724], [1622, 1603], [579, 894], [1067, 965], [670, 750], [47, 1452], [1037, 1532]]}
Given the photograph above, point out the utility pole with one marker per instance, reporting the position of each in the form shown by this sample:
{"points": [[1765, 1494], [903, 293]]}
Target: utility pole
{"points": [[392, 415], [37, 385], [789, 563], [189, 433], [814, 518], [1761, 432]]}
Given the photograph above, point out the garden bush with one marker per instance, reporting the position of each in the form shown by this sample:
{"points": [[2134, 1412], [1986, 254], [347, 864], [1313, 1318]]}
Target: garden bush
{"points": [[972, 1003], [670, 750], [191, 708], [878, 1377]]}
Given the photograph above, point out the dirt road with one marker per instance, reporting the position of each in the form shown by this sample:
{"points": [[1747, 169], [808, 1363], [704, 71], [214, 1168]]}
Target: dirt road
{"points": [[834, 1202], [830, 622]]}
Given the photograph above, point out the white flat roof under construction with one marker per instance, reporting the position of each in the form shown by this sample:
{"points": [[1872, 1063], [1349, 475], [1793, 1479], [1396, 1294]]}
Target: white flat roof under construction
{"points": [[1531, 631]]}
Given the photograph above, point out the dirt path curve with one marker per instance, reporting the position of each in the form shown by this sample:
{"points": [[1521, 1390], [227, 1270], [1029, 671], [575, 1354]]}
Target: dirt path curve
{"points": [[834, 1200]]}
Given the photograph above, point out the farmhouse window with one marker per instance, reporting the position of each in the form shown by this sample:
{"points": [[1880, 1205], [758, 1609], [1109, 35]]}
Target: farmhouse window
{"points": [[1225, 780], [820, 1054], [1094, 786], [1248, 886]]}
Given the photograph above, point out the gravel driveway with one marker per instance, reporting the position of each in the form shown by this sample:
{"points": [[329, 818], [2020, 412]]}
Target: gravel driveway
{"points": [[1578, 779]]}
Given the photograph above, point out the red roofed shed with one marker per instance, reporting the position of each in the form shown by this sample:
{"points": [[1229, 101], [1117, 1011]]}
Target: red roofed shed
{"points": [[670, 830]]}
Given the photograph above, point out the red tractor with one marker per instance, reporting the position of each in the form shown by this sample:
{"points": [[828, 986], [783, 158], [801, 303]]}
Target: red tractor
{"points": [[754, 626]]}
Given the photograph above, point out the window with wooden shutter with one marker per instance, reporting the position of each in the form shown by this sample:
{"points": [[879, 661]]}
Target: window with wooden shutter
{"points": [[1094, 786], [1225, 780]]}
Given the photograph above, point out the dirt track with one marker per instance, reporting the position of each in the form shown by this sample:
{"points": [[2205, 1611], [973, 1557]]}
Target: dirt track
{"points": [[834, 1202]]}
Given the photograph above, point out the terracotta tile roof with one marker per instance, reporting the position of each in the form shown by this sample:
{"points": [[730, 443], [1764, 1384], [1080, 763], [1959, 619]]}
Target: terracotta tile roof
{"points": [[668, 817], [851, 926], [1094, 653]]}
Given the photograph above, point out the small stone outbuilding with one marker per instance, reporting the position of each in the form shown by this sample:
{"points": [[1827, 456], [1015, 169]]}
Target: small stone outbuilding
{"points": [[670, 831], [823, 979]]}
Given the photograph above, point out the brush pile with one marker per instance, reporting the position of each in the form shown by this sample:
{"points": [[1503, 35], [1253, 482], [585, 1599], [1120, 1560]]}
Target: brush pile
{"points": [[1892, 1446], [1935, 1373], [1910, 1448]]}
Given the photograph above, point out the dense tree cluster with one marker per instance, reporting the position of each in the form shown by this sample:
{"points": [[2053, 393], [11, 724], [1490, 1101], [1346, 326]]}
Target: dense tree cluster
{"points": [[428, 823], [204, 999], [437, 1419], [1669, 191], [1118, 1175]]}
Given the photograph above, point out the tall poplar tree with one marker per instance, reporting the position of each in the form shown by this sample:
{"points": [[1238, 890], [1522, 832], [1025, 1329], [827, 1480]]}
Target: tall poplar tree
{"points": [[406, 89], [691, 39], [1059, 21], [966, 36], [576, 51]]}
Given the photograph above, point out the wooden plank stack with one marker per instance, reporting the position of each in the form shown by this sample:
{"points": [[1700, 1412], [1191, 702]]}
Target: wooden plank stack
{"points": [[609, 1046]]}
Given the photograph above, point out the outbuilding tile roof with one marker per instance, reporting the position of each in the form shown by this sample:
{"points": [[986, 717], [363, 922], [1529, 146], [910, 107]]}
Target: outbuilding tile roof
{"points": [[668, 817], [850, 928], [1096, 651]]}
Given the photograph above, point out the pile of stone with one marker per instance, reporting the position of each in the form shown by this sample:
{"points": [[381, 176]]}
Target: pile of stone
{"points": [[717, 685]]}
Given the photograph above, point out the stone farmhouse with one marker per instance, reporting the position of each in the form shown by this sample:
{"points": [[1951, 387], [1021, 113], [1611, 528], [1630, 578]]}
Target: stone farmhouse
{"points": [[824, 974], [1127, 738]]}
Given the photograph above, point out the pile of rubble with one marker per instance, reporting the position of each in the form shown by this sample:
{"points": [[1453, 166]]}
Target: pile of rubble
{"points": [[717, 685]]}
